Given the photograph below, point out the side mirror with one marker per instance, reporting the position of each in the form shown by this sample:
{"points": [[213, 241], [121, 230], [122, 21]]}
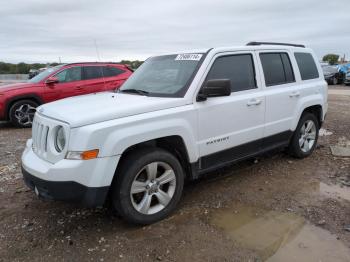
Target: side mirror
{"points": [[214, 88], [51, 80]]}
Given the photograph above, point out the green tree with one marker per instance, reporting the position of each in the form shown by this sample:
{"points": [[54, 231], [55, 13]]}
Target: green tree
{"points": [[331, 58], [133, 64]]}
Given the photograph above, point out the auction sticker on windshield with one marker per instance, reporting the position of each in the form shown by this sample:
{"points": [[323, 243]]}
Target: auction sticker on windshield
{"points": [[192, 57]]}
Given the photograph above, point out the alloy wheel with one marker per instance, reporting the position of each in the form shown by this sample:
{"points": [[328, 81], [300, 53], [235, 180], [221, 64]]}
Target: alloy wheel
{"points": [[25, 114], [153, 188], [307, 136]]}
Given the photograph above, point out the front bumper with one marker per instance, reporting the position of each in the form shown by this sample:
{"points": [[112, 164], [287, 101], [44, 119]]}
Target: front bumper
{"points": [[85, 182], [2, 110], [68, 191], [328, 78]]}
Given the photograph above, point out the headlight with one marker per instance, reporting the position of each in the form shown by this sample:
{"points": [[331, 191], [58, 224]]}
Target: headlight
{"points": [[60, 140]]}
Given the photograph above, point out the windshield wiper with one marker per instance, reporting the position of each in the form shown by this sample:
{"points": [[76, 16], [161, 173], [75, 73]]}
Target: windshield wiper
{"points": [[135, 91]]}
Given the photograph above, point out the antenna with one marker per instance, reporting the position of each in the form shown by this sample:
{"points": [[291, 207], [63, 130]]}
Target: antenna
{"points": [[97, 53], [98, 57]]}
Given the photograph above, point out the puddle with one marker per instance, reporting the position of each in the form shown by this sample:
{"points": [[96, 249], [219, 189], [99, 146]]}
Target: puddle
{"points": [[342, 148], [278, 236], [331, 191]]}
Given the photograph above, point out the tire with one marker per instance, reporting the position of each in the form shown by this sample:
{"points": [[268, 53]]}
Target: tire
{"points": [[303, 143], [334, 81], [22, 112], [136, 172]]}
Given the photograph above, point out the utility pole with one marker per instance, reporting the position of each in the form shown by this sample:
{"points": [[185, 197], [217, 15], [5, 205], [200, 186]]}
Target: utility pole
{"points": [[97, 53]]}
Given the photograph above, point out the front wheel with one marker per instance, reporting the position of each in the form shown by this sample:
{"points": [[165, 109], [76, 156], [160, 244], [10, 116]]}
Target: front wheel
{"points": [[148, 186], [335, 81], [305, 136], [22, 113]]}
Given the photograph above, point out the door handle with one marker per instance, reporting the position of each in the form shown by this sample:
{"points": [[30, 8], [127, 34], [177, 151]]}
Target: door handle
{"points": [[254, 102], [78, 88], [294, 94]]}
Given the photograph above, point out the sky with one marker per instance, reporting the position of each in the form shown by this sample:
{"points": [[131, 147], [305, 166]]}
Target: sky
{"points": [[112, 30]]}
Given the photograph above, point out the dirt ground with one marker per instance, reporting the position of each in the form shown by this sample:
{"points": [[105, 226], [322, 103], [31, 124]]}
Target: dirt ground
{"points": [[272, 208]]}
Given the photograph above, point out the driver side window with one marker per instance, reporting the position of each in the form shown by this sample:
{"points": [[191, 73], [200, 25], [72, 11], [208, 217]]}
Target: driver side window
{"points": [[69, 75], [239, 69]]}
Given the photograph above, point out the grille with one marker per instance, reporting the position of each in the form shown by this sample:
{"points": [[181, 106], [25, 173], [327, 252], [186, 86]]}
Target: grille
{"points": [[39, 135]]}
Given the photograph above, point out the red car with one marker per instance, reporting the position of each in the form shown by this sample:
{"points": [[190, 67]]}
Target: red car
{"points": [[18, 101]]}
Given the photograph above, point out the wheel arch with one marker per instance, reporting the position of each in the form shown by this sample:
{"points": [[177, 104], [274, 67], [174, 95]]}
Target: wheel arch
{"points": [[312, 104], [9, 103], [317, 111], [173, 144]]}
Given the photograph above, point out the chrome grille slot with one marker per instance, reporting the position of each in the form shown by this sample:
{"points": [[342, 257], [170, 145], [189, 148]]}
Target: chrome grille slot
{"points": [[40, 131], [43, 135], [40, 134]]}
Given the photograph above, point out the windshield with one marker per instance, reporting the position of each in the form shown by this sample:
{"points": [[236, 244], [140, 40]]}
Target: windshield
{"points": [[167, 76], [38, 78]]}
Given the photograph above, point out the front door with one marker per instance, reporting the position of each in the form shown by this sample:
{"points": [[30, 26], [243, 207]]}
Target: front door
{"points": [[69, 84], [231, 127]]}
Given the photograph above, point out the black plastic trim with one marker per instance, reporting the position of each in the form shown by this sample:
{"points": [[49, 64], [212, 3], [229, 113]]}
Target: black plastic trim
{"points": [[239, 153], [68, 191]]}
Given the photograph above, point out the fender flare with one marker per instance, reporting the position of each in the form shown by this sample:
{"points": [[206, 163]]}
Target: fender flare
{"points": [[315, 100]]}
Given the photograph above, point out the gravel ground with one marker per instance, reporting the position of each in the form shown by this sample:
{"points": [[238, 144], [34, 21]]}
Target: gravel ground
{"points": [[35, 230]]}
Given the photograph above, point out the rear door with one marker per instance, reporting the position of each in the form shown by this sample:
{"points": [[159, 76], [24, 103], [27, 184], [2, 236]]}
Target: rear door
{"points": [[93, 79], [282, 93], [114, 77], [231, 127]]}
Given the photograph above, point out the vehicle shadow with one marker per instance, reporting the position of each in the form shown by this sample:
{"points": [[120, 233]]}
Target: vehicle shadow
{"points": [[4, 124]]}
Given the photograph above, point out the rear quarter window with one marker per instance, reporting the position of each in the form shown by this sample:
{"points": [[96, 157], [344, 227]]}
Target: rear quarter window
{"points": [[307, 66]]}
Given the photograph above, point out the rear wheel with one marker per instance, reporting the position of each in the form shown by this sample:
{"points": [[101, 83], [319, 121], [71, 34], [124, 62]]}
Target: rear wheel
{"points": [[148, 186], [22, 113], [305, 136]]}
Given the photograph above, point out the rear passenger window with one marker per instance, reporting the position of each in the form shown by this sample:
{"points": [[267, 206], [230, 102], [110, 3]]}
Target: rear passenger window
{"points": [[92, 72], [307, 67], [238, 68], [277, 68], [109, 71]]}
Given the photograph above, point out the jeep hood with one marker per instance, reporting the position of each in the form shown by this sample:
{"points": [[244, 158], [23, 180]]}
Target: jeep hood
{"points": [[99, 107]]}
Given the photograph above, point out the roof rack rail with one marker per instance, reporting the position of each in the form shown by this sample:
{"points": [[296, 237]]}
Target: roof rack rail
{"points": [[114, 63], [272, 43]]}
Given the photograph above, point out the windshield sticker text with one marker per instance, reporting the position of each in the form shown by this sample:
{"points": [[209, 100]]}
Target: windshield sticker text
{"points": [[191, 57]]}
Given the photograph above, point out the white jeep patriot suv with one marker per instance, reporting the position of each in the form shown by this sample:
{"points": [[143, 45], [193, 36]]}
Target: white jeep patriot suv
{"points": [[177, 117]]}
